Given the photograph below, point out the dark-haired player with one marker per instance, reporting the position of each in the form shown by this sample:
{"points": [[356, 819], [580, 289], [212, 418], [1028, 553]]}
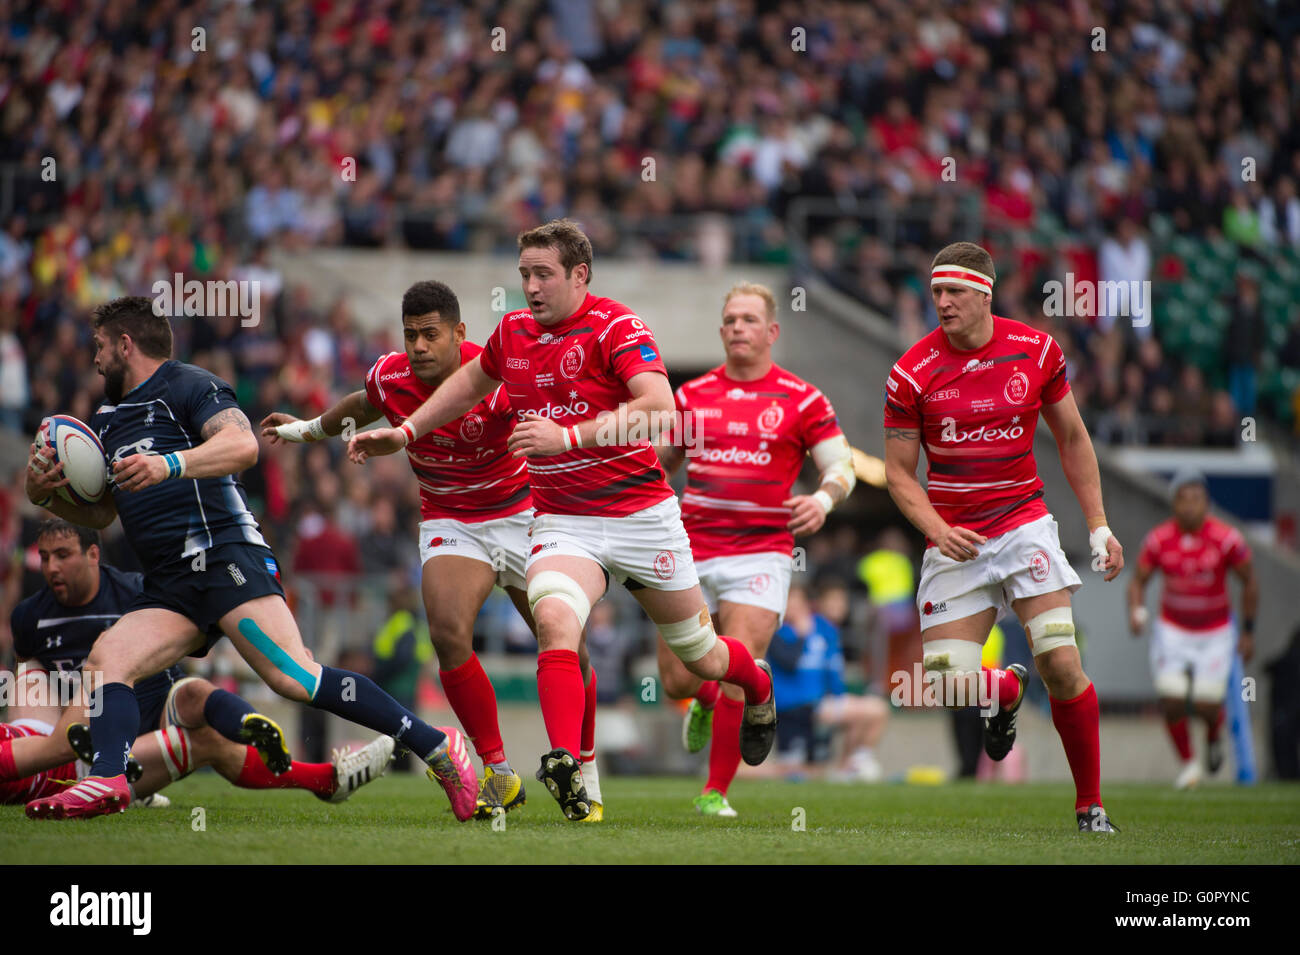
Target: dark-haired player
{"points": [[475, 508], [55, 629], [590, 391], [971, 392], [175, 439], [1193, 639]]}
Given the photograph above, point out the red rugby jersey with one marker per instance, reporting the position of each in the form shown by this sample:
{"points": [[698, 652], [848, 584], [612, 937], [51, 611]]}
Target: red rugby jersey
{"points": [[464, 470], [1196, 567], [752, 437], [977, 411], [47, 783], [569, 372]]}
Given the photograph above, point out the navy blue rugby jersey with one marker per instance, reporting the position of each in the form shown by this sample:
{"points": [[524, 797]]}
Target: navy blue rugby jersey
{"points": [[175, 519], [59, 637]]}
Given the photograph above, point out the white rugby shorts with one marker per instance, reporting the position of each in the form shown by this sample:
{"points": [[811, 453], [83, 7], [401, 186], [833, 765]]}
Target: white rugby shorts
{"points": [[1024, 562], [1207, 654], [503, 543], [648, 548], [757, 580]]}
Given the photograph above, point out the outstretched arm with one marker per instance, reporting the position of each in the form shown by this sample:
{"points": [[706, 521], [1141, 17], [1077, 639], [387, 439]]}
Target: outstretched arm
{"points": [[466, 387], [355, 408], [1079, 462]]}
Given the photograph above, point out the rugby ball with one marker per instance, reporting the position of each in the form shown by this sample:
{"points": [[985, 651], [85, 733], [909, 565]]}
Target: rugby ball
{"points": [[84, 463]]}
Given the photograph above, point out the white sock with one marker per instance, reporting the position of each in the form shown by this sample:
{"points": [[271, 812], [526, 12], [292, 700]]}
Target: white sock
{"points": [[591, 779]]}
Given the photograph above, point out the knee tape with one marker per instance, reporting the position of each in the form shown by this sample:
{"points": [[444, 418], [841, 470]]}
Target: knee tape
{"points": [[951, 657], [171, 715], [177, 753], [690, 639], [552, 583], [1051, 630]]}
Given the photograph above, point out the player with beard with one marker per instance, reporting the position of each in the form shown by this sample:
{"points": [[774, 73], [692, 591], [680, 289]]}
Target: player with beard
{"points": [[175, 439]]}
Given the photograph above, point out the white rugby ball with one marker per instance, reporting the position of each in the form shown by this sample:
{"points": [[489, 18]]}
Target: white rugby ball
{"points": [[84, 463]]}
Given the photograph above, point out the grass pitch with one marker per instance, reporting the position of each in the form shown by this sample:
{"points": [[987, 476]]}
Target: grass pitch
{"points": [[404, 819]]}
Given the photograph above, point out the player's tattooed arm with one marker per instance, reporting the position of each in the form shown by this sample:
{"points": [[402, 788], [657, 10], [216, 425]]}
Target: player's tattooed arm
{"points": [[902, 454], [902, 434], [228, 446]]}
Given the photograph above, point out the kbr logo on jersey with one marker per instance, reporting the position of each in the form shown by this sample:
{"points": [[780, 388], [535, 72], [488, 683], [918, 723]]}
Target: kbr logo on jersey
{"points": [[1040, 566], [648, 353], [982, 433], [1017, 388], [471, 427], [925, 361], [769, 419], [572, 361], [665, 565], [554, 410], [519, 364], [734, 455], [944, 395]]}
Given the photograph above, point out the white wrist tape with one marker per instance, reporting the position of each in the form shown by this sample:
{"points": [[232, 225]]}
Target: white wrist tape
{"points": [[300, 431], [408, 431], [824, 499], [1097, 541]]}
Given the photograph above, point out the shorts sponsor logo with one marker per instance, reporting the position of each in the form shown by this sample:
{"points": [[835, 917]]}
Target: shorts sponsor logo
{"points": [[471, 427], [538, 548], [555, 410], [444, 542], [665, 565], [925, 361], [932, 608], [1017, 388], [236, 575], [759, 583], [520, 364], [770, 418], [944, 395], [1040, 566], [272, 568], [982, 433], [572, 361], [734, 455]]}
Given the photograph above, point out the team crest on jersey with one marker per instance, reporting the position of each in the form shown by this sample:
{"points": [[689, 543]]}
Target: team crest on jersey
{"points": [[236, 575], [572, 361], [471, 427], [665, 565], [1040, 566], [759, 583], [148, 418], [1017, 388], [770, 418]]}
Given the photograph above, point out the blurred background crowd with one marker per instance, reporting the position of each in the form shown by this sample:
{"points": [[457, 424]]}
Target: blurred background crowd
{"points": [[850, 139]]}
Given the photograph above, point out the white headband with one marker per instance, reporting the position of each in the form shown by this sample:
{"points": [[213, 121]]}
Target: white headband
{"points": [[960, 275]]}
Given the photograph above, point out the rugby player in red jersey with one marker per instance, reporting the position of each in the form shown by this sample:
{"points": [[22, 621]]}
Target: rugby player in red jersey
{"points": [[475, 510], [591, 395], [752, 423], [1193, 639], [971, 392]]}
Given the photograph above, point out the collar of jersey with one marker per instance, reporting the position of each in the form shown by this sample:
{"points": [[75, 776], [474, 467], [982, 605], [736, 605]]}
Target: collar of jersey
{"points": [[147, 380], [974, 352], [561, 327]]}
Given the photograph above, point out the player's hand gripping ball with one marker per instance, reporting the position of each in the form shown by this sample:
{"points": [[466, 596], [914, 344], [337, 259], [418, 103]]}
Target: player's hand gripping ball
{"points": [[78, 450]]}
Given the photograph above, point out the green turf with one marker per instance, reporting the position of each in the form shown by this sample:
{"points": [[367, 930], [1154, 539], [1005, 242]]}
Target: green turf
{"points": [[403, 819]]}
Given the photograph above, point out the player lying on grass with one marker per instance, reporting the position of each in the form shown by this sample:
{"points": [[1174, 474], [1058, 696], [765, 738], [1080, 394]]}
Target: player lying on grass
{"points": [[1193, 640], [753, 423], [175, 439], [55, 629], [591, 392], [475, 509], [971, 392]]}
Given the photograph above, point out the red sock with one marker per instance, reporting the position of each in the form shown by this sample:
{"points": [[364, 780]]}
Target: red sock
{"points": [[724, 750], [742, 671], [472, 699], [314, 777], [708, 693], [8, 771], [563, 698], [589, 721], [1212, 734], [1006, 683], [1178, 733], [1078, 721]]}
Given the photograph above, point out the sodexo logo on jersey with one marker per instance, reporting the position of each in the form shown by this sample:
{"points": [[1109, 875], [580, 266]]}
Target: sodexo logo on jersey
{"points": [[982, 433], [925, 361], [554, 410], [735, 455]]}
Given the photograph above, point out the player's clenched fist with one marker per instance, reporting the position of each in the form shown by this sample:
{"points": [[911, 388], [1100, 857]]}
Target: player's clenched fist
{"points": [[806, 514], [959, 543], [536, 437], [376, 442], [139, 471]]}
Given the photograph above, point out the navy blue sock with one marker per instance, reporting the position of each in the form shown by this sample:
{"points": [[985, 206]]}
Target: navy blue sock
{"points": [[360, 700], [225, 713], [114, 730]]}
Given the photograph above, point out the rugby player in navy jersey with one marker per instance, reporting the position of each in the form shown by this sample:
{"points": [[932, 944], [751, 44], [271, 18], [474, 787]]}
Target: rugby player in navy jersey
{"points": [[175, 438], [54, 630]]}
